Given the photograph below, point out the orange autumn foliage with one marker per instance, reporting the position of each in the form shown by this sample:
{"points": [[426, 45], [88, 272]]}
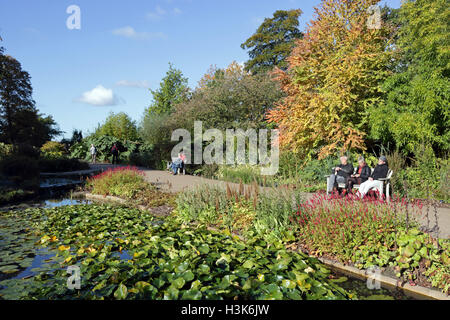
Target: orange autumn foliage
{"points": [[334, 75]]}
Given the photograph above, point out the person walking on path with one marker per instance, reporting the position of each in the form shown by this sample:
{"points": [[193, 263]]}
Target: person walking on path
{"points": [[115, 154], [380, 171], [340, 174], [93, 153]]}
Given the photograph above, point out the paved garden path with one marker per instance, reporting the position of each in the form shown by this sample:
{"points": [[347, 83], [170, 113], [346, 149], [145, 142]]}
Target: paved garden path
{"points": [[170, 183]]}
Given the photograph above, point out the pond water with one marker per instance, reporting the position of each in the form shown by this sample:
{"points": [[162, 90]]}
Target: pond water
{"points": [[43, 258], [364, 293], [58, 182], [64, 202]]}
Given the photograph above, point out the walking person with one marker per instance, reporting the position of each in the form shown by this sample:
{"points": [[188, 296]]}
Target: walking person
{"points": [[380, 171], [361, 175], [115, 154], [340, 174], [93, 153]]}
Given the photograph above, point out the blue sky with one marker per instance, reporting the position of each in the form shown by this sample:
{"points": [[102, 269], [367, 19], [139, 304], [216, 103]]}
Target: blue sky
{"points": [[124, 47]]}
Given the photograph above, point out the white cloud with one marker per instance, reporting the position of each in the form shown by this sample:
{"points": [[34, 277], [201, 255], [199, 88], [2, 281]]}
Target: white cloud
{"points": [[100, 96], [157, 14], [133, 84], [129, 32]]}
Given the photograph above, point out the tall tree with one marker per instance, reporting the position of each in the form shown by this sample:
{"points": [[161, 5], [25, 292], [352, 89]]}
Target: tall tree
{"points": [[418, 94], [229, 98], [173, 89], [334, 76], [15, 96], [119, 126], [20, 121], [273, 41]]}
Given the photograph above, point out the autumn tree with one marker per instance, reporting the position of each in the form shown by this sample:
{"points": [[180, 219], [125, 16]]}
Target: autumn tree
{"points": [[333, 78], [273, 41]]}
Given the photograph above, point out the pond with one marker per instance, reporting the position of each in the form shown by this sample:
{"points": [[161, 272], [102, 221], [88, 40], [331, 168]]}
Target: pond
{"points": [[364, 293], [59, 182], [43, 259]]}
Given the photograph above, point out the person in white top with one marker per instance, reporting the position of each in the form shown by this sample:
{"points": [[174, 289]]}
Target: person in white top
{"points": [[93, 153]]}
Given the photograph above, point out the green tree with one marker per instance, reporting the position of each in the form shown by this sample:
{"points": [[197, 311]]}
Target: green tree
{"points": [[119, 126], [20, 121], [173, 89], [273, 41], [417, 95], [229, 98]]}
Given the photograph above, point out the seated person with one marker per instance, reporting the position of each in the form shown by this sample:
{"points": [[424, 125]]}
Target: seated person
{"points": [[178, 163], [362, 174], [182, 156], [380, 171], [340, 174]]}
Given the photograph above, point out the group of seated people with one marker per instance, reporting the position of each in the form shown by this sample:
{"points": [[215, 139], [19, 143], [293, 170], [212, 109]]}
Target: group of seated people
{"points": [[344, 173], [178, 163]]}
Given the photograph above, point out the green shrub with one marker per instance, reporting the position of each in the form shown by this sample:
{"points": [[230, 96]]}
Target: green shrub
{"points": [[247, 210], [9, 195], [26, 150], [5, 150], [53, 150], [207, 171], [121, 182], [427, 177], [19, 168], [242, 173]]}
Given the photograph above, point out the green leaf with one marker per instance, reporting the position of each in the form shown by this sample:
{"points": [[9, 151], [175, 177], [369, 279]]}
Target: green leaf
{"points": [[204, 249], [188, 276], [192, 294], [121, 292]]}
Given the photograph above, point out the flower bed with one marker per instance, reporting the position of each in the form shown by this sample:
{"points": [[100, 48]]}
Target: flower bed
{"points": [[371, 232], [127, 183]]}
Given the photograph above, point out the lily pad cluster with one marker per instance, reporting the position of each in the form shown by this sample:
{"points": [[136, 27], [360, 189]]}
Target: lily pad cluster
{"points": [[409, 252], [16, 243], [125, 253]]}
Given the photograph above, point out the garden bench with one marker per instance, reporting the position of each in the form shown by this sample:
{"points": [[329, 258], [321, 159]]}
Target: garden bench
{"points": [[169, 166], [386, 183]]}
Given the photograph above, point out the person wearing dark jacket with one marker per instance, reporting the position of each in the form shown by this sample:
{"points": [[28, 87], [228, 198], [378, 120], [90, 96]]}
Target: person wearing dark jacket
{"points": [[380, 172], [115, 154], [340, 174], [361, 175]]}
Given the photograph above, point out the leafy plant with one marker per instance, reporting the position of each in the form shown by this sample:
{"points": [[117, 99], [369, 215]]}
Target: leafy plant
{"points": [[247, 210], [53, 150], [127, 183], [125, 253]]}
